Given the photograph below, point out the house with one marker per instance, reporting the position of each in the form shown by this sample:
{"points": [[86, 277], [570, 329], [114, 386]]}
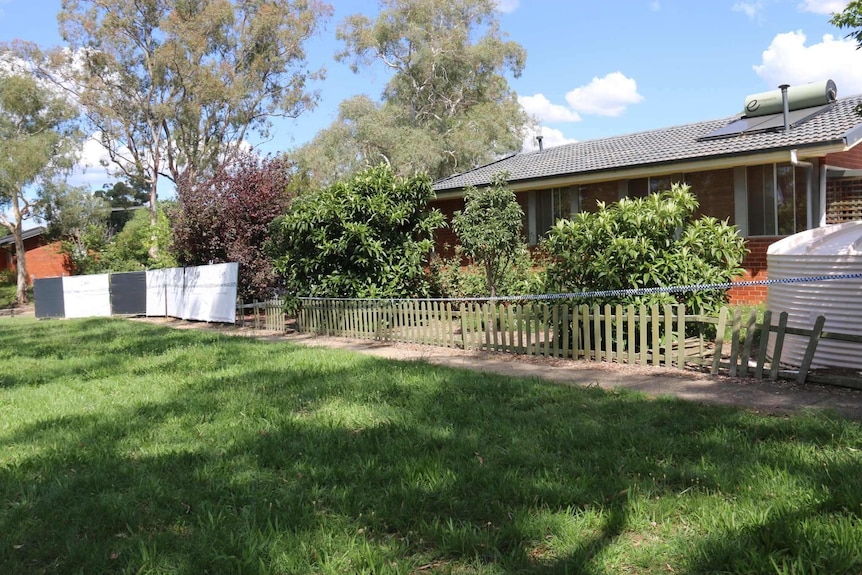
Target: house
{"points": [[44, 259], [771, 174]]}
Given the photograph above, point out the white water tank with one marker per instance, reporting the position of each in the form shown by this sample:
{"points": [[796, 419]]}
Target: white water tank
{"points": [[822, 252]]}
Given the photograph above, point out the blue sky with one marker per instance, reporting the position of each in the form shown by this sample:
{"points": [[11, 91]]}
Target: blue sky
{"points": [[594, 69]]}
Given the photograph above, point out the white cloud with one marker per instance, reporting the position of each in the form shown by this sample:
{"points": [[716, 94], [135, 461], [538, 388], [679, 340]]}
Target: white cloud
{"points": [[788, 60], [543, 110], [507, 6], [550, 138], [823, 6], [754, 10], [608, 96]]}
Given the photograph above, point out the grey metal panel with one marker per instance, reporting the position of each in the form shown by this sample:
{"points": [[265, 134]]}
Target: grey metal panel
{"points": [[48, 293], [129, 293]]}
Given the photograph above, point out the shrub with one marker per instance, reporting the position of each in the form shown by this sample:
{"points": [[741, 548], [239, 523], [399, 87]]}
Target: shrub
{"points": [[643, 243], [489, 229], [451, 279], [225, 217], [366, 236]]}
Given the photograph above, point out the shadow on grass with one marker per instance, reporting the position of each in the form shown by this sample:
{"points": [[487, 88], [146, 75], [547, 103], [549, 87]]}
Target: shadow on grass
{"points": [[312, 460]]}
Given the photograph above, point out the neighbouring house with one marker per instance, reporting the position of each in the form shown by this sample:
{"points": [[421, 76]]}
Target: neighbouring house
{"points": [[771, 174], [44, 259]]}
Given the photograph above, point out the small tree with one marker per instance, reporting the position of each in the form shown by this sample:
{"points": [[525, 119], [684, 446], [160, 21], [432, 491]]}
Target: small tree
{"points": [[643, 243], [367, 236], [226, 217], [77, 217], [489, 229]]}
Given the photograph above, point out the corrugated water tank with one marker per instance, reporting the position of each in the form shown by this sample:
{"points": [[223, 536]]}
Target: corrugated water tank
{"points": [[825, 251]]}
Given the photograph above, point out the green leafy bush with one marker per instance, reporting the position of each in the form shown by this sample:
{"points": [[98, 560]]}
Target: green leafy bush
{"points": [[366, 236], [451, 279], [642, 243], [489, 229]]}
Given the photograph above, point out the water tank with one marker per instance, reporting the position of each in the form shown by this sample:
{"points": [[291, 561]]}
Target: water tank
{"points": [[826, 251]]}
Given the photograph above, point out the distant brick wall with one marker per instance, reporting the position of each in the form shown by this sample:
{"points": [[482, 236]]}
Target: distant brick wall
{"points": [[755, 270], [46, 262]]}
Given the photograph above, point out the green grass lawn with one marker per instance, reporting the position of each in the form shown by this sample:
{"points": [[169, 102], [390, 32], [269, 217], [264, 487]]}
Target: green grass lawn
{"points": [[131, 448]]}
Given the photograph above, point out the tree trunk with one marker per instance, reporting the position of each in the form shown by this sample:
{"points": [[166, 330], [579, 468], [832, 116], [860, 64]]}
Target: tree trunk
{"points": [[489, 275], [154, 210], [21, 264]]}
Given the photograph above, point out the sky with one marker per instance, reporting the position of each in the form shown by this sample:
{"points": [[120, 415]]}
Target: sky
{"points": [[594, 68]]}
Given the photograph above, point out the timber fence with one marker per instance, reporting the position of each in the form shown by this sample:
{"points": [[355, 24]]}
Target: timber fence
{"points": [[668, 336], [650, 336]]}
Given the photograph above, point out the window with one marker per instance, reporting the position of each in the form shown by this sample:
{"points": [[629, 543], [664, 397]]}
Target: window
{"points": [[777, 200], [714, 192], [550, 206], [592, 194]]}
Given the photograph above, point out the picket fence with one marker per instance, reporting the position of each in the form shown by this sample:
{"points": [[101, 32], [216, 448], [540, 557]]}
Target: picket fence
{"points": [[649, 336], [662, 336]]}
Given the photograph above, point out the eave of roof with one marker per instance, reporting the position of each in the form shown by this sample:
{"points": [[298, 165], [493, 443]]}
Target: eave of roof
{"points": [[640, 153], [26, 235]]}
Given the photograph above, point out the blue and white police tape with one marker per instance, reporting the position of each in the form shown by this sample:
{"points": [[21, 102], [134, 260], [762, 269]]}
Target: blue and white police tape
{"points": [[612, 293]]}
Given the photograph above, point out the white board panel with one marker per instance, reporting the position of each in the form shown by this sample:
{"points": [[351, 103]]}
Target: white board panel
{"points": [[156, 296], [87, 296], [165, 292], [175, 291], [210, 293]]}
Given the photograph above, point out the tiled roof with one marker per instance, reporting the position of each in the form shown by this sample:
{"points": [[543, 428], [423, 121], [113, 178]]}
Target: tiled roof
{"points": [[667, 145]]}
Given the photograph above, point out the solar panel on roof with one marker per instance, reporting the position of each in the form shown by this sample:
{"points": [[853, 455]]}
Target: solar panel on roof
{"points": [[794, 118], [737, 127], [765, 123]]}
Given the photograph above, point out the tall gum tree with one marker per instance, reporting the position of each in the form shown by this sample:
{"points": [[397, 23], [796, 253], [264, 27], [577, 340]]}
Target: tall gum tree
{"points": [[173, 86], [37, 139], [447, 106]]}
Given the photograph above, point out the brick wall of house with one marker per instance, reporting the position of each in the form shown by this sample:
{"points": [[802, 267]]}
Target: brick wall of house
{"points": [[754, 263], [46, 262], [851, 159], [43, 260], [445, 239], [755, 270]]}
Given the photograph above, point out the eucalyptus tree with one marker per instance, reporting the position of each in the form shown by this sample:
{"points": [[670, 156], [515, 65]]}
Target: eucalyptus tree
{"points": [[447, 106], [171, 87], [38, 137]]}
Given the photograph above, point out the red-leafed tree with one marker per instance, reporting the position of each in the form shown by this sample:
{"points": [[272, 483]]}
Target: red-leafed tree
{"points": [[225, 217]]}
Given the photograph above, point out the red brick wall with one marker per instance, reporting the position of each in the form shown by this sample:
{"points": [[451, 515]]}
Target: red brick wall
{"points": [[754, 263], [755, 269], [445, 239], [43, 260], [46, 262], [7, 255], [851, 159]]}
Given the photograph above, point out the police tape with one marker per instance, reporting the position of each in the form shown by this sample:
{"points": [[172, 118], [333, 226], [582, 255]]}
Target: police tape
{"points": [[607, 293]]}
